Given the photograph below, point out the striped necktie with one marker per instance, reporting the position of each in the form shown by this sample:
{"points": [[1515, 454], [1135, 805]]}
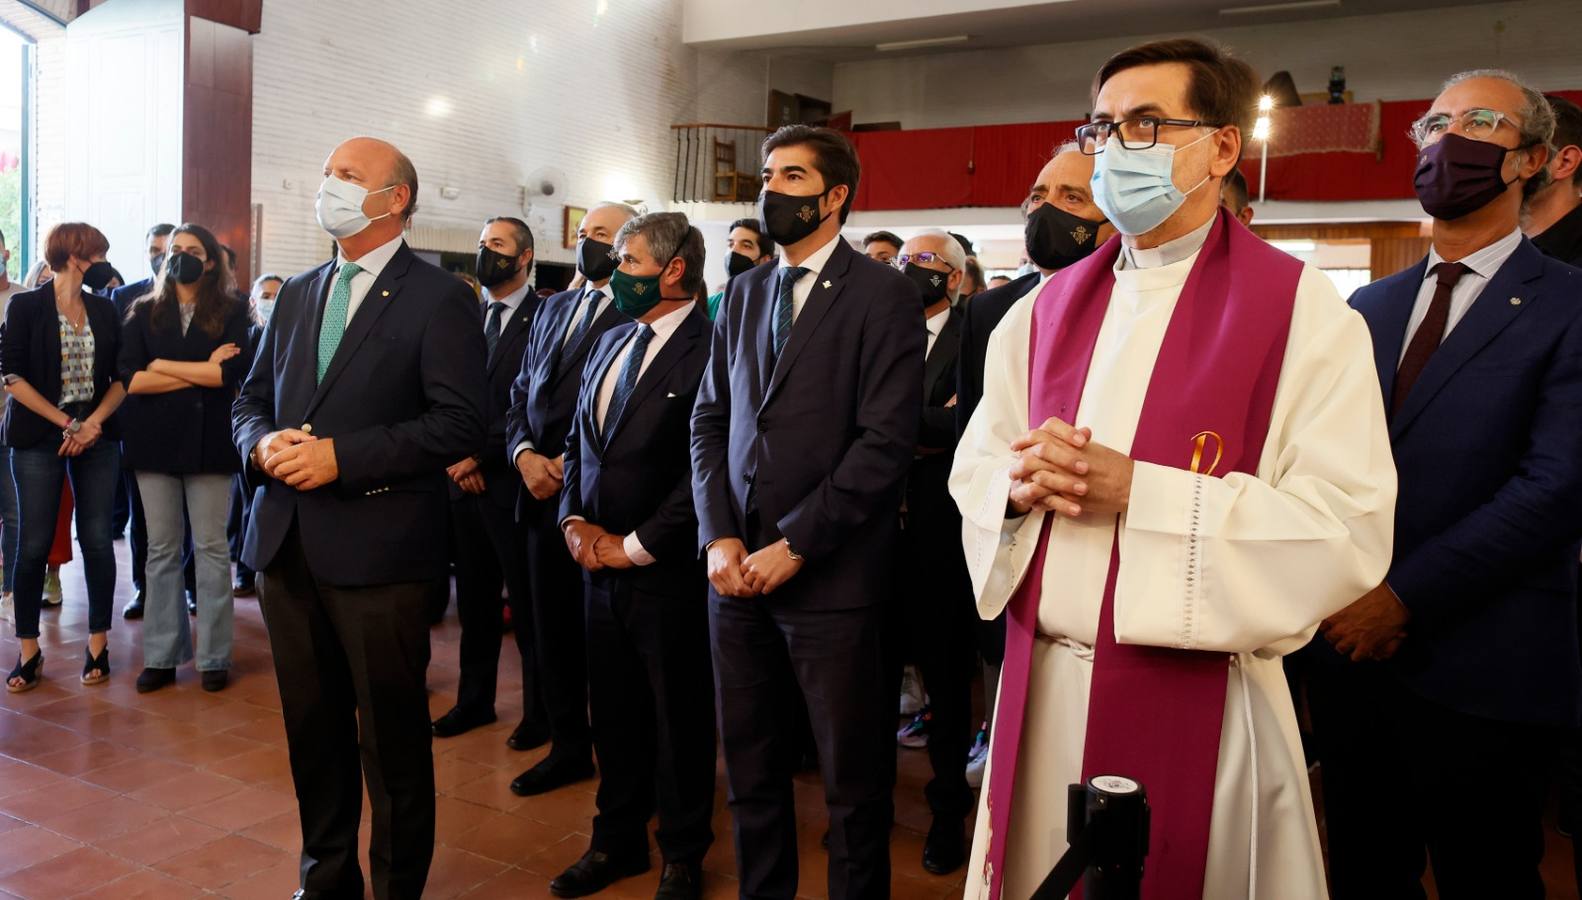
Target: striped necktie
{"points": [[627, 382], [785, 307]]}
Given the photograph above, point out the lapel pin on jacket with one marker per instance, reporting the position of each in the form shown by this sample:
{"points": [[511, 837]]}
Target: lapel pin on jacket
{"points": [[826, 284], [1516, 301]]}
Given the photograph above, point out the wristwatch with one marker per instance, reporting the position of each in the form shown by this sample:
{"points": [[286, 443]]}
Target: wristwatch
{"points": [[72, 427], [789, 552]]}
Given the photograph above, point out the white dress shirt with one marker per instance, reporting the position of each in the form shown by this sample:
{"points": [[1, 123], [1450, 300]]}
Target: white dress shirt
{"points": [[664, 327], [1481, 267], [605, 299], [935, 324], [372, 263], [804, 286], [512, 301]]}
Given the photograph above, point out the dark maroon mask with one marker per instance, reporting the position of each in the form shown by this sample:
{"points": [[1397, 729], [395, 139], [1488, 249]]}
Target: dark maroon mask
{"points": [[1458, 175]]}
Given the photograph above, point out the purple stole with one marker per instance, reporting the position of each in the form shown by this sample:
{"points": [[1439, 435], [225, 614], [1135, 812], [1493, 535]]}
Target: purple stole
{"points": [[1154, 713]]}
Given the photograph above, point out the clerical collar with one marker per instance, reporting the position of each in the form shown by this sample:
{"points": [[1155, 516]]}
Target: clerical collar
{"points": [[1169, 252]]}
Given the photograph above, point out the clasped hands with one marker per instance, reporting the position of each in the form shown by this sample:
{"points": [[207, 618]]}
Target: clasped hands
{"points": [[299, 459], [1060, 468], [87, 436], [1371, 628], [736, 573], [543, 476], [594, 548], [467, 475]]}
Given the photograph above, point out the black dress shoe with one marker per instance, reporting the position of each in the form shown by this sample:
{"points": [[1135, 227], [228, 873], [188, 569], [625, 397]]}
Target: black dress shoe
{"points": [[134, 609], [945, 850], [243, 587], [150, 680], [215, 679], [594, 872], [681, 881], [527, 736], [550, 774], [461, 721]]}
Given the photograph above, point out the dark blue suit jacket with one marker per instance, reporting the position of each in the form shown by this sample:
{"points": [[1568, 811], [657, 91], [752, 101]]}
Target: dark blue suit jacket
{"points": [[544, 394], [1488, 446], [818, 445], [402, 398], [500, 480], [637, 475]]}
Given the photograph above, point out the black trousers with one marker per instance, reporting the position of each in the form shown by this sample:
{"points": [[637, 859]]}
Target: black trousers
{"points": [[559, 634], [1405, 778], [933, 621], [763, 652], [489, 555], [351, 662], [651, 691]]}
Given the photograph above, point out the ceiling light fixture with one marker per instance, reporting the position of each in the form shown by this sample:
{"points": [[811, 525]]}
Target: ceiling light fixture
{"points": [[922, 42], [1278, 7]]}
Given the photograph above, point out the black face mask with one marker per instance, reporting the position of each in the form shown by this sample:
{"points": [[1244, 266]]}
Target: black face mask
{"points": [[933, 283], [155, 262], [98, 275], [494, 267], [739, 263], [595, 259], [1056, 239], [789, 218], [185, 268]]}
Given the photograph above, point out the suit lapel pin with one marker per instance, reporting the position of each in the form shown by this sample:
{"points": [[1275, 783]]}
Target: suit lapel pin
{"points": [[384, 293], [1516, 301], [826, 285]]}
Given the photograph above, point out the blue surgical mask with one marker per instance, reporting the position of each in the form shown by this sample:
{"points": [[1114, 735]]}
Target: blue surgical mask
{"points": [[266, 308], [1136, 189], [340, 207]]}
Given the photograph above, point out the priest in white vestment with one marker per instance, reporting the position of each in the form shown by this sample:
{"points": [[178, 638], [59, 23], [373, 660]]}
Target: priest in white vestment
{"points": [[1244, 565]]}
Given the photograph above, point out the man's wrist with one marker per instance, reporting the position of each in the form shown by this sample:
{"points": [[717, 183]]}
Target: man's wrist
{"points": [[790, 552]]}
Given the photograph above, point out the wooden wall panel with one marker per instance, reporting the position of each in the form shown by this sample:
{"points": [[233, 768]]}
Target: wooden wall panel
{"points": [[247, 15], [218, 134], [1392, 254]]}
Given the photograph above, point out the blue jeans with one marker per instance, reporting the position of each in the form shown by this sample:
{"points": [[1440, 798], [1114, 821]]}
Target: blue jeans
{"points": [[8, 520], [39, 472], [167, 634]]}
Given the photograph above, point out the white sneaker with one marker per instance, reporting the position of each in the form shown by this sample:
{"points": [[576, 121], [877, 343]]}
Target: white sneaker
{"points": [[912, 697], [7, 609], [52, 592], [977, 759]]}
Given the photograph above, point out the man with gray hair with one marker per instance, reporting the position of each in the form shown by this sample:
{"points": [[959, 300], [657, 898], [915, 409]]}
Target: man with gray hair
{"points": [[934, 620], [543, 398], [1440, 697], [628, 520]]}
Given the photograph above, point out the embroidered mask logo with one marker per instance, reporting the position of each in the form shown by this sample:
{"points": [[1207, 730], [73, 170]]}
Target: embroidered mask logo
{"points": [[1081, 234], [934, 281], [1199, 444], [639, 288], [806, 214]]}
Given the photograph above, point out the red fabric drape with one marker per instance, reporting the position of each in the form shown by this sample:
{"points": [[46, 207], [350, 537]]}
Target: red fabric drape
{"points": [[992, 165]]}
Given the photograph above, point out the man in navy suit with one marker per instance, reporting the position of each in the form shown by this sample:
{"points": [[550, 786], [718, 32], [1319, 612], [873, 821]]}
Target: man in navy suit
{"points": [[487, 537], [1439, 697], [628, 519], [369, 382], [543, 399], [804, 429]]}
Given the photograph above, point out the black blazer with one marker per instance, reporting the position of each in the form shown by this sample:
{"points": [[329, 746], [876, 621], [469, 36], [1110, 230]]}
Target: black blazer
{"points": [[544, 394], [186, 431], [817, 445], [637, 475], [1488, 447], [124, 296], [402, 399], [501, 482], [983, 312], [927, 491], [30, 350]]}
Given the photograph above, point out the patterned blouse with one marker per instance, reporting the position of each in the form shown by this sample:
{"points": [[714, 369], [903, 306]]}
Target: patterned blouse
{"points": [[76, 362]]}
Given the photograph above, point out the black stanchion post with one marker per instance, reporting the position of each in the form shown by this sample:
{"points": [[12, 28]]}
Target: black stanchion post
{"points": [[1107, 829]]}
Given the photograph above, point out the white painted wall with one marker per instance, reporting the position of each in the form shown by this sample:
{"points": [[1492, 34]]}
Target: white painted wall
{"points": [[725, 20], [123, 78], [1390, 57]]}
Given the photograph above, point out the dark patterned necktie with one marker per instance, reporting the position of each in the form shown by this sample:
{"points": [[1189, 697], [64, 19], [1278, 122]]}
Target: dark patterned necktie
{"points": [[588, 315], [491, 326], [1428, 336], [627, 381], [784, 307]]}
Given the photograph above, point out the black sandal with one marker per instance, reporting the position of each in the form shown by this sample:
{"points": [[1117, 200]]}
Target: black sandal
{"points": [[96, 670], [30, 674]]}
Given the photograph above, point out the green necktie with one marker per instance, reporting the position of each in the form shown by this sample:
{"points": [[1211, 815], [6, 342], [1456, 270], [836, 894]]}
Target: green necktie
{"points": [[334, 325]]}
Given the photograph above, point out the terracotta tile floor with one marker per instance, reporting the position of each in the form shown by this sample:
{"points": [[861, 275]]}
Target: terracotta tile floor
{"points": [[180, 794]]}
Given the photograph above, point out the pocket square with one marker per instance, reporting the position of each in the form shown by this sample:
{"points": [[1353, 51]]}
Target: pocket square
{"points": [[669, 395]]}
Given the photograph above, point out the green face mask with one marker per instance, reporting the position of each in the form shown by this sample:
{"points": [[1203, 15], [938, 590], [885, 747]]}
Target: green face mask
{"points": [[635, 295]]}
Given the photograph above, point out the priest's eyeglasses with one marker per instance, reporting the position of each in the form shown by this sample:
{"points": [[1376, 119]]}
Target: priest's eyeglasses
{"points": [[1134, 134], [1478, 124], [924, 256]]}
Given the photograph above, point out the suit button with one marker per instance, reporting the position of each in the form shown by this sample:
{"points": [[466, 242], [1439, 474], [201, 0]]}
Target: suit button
{"points": [[747, 478]]}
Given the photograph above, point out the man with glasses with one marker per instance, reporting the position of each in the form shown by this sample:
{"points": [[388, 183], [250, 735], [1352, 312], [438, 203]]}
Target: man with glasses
{"points": [[1451, 682], [1207, 478]]}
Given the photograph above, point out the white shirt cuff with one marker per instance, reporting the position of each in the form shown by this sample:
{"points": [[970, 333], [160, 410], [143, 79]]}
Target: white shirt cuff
{"points": [[635, 552], [520, 449]]}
